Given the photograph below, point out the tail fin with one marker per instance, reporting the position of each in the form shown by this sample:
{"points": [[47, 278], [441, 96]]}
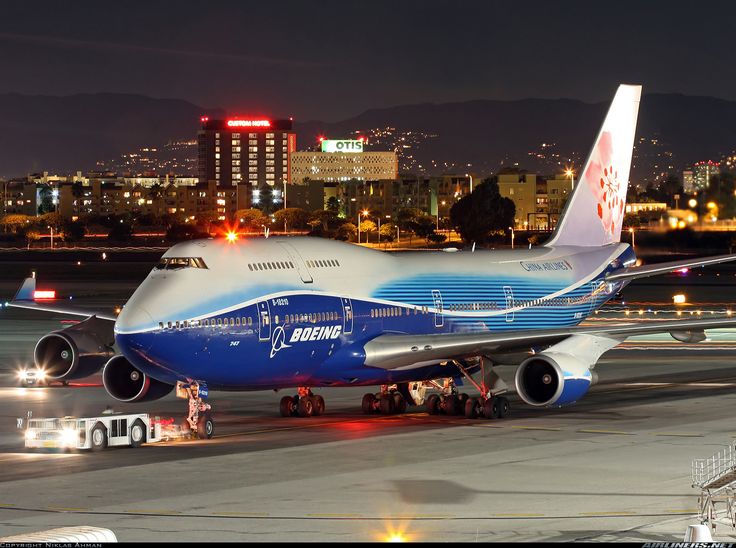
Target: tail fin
{"points": [[595, 211]]}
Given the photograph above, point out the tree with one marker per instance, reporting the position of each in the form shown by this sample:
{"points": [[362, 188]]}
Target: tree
{"points": [[325, 219], [436, 238], [346, 231], [253, 219], [333, 205], [294, 217], [423, 225], [388, 232], [32, 236], [74, 231], [120, 232], [46, 200], [366, 227], [477, 215], [15, 222]]}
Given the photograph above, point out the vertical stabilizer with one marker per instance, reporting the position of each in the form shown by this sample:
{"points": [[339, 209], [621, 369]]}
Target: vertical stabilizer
{"points": [[595, 212]]}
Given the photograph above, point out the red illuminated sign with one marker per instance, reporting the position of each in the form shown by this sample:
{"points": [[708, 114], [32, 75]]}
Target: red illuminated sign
{"points": [[249, 123], [43, 294]]}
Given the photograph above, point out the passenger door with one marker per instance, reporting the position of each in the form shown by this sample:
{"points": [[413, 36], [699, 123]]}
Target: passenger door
{"points": [[509, 293], [439, 317], [264, 321], [347, 315]]}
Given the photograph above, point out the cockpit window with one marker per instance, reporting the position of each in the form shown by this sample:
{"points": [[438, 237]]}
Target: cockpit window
{"points": [[175, 263]]}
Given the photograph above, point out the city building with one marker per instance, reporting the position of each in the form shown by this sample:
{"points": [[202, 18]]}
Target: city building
{"points": [[245, 151], [702, 173], [19, 197], [688, 181], [343, 160], [539, 201], [432, 195]]}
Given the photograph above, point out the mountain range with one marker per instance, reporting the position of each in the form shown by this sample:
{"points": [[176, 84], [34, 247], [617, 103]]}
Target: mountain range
{"points": [[72, 133]]}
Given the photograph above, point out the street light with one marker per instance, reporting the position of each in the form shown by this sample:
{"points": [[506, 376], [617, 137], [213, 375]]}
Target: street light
{"points": [[570, 173], [52, 235], [364, 213], [633, 239], [471, 181], [511, 228]]}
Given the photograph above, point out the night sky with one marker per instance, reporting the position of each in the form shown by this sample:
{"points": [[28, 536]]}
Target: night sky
{"points": [[330, 60]]}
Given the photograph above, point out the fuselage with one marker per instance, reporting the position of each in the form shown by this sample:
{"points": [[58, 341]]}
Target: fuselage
{"points": [[283, 312]]}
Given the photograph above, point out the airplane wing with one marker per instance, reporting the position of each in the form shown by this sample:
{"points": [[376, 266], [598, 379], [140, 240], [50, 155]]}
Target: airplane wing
{"points": [[634, 272], [24, 299], [407, 351]]}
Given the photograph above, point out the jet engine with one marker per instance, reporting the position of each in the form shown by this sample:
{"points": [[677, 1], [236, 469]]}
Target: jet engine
{"points": [[553, 379], [77, 351], [126, 383]]}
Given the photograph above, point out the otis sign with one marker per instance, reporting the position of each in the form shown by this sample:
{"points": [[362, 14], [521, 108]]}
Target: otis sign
{"points": [[349, 145]]}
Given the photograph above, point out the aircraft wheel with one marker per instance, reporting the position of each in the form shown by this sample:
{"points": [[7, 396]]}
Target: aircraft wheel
{"points": [[490, 408], [305, 408], [450, 404], [399, 403], [471, 408], [386, 404], [504, 407], [433, 404], [205, 427], [367, 404], [318, 403], [286, 406]]}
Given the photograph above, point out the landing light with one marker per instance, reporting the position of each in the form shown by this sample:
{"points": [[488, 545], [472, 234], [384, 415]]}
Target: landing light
{"points": [[231, 237], [44, 294]]}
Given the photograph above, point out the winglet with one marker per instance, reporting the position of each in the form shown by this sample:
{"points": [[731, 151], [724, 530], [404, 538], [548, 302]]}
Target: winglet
{"points": [[25, 293]]}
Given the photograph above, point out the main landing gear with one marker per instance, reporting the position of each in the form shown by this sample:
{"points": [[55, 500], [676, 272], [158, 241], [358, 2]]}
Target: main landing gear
{"points": [[393, 399], [304, 404], [490, 404]]}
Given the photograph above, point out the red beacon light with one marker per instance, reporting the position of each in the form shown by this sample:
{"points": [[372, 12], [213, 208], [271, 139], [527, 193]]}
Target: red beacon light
{"points": [[204, 119], [41, 294]]}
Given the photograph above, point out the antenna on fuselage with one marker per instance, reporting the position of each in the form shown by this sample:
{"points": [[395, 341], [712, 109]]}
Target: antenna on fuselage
{"points": [[473, 248]]}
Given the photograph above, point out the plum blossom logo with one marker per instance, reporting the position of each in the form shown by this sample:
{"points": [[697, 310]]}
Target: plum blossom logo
{"points": [[610, 203], [608, 191]]}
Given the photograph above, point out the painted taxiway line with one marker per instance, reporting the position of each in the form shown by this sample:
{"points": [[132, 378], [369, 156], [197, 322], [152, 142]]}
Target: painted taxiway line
{"points": [[603, 514]]}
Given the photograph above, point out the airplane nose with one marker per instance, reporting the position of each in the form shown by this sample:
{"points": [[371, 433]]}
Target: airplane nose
{"points": [[132, 318], [131, 321]]}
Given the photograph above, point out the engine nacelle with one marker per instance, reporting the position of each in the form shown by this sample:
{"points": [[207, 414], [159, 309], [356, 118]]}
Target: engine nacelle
{"points": [[553, 379], [77, 351], [126, 383]]}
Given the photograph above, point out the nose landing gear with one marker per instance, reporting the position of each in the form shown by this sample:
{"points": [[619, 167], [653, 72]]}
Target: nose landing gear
{"points": [[199, 423]]}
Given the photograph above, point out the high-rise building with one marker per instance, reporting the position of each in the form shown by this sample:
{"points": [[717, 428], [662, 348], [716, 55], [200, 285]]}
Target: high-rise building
{"points": [[245, 151], [702, 173]]}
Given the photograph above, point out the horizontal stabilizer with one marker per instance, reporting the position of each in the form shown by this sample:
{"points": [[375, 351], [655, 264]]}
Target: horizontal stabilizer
{"points": [[643, 271], [24, 298], [26, 291]]}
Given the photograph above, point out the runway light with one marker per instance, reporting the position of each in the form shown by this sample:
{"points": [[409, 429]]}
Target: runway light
{"points": [[679, 299]]}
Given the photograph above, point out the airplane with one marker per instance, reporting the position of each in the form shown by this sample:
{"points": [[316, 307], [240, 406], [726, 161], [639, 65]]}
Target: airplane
{"points": [[285, 312]]}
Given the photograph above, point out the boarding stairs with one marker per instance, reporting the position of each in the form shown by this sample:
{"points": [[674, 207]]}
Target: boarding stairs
{"points": [[716, 479]]}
